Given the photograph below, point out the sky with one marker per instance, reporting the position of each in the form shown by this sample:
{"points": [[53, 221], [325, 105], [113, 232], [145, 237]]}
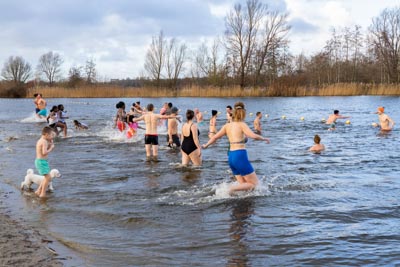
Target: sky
{"points": [[116, 34]]}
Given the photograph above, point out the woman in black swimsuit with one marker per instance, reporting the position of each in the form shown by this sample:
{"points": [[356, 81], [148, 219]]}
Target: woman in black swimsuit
{"points": [[191, 150]]}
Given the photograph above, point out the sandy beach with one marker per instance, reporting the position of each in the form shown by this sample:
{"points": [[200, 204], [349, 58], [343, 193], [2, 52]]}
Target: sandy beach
{"points": [[20, 245]]}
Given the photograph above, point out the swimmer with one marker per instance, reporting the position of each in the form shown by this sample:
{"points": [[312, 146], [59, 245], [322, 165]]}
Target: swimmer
{"points": [[40, 104], [173, 137], [257, 123], [151, 136], [386, 123], [120, 116], [80, 125], [191, 149], [198, 115], [317, 147], [228, 114], [236, 131], [333, 117], [213, 124]]}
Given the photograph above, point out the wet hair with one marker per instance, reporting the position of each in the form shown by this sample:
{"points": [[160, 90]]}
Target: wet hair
{"points": [[258, 113], [239, 113], [76, 122], [150, 107], [35, 95], [170, 105], [230, 107], [189, 114], [336, 112], [214, 112], [317, 139], [120, 104], [54, 108], [47, 130], [60, 107]]}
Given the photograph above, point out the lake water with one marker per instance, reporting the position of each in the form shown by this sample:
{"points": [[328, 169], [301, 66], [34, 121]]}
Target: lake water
{"points": [[111, 208]]}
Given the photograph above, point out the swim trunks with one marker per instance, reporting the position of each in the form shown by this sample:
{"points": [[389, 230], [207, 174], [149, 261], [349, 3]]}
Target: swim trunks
{"points": [[151, 139], [188, 145], [42, 112], [239, 162], [42, 165], [175, 140], [37, 110]]}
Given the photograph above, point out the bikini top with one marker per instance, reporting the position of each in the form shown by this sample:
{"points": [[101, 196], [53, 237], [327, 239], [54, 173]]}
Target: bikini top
{"points": [[243, 141]]}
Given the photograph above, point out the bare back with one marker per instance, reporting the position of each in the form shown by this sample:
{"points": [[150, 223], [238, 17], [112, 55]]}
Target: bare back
{"points": [[41, 148], [235, 132], [151, 121]]}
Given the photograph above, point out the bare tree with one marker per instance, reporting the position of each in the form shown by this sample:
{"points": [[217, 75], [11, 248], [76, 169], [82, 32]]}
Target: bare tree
{"points": [[90, 70], [154, 61], [175, 58], [50, 65], [385, 37], [241, 32], [201, 62], [17, 70], [273, 38], [75, 76]]}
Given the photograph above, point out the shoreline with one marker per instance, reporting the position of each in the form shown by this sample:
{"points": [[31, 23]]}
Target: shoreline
{"points": [[21, 244]]}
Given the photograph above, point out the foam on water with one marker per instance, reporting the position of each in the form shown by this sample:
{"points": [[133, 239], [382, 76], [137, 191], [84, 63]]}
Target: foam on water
{"points": [[33, 119]]}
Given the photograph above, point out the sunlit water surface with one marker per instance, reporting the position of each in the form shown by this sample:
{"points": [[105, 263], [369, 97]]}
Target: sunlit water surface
{"points": [[340, 207]]}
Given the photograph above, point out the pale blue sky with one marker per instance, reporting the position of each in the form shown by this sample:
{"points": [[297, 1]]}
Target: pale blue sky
{"points": [[116, 34]]}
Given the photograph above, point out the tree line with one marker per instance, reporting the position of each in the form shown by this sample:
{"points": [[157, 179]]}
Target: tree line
{"points": [[252, 52]]}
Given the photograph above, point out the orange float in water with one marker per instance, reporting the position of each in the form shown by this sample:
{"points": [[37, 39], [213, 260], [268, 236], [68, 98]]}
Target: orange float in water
{"points": [[121, 126]]}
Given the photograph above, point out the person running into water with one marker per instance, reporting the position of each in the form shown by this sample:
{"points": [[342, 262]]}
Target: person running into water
{"points": [[173, 137], [333, 117], [257, 123], [236, 131], [317, 147], [40, 104], [120, 117], [43, 147], [62, 115], [151, 136], [213, 124], [191, 149], [386, 123], [54, 121]]}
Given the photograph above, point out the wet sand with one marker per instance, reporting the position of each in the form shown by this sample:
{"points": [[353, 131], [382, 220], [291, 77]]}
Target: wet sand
{"points": [[20, 245]]}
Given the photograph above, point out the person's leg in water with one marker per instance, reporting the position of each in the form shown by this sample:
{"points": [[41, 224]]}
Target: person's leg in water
{"points": [[246, 183], [155, 152], [41, 191], [148, 152]]}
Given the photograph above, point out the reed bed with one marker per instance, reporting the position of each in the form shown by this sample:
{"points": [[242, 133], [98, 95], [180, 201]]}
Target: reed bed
{"points": [[347, 89]]}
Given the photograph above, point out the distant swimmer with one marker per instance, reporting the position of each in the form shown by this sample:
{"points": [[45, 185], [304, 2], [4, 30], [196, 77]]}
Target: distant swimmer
{"points": [[213, 124], [257, 123], [333, 117], [198, 115], [228, 114], [173, 137], [317, 147], [385, 121], [236, 131], [151, 136]]}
